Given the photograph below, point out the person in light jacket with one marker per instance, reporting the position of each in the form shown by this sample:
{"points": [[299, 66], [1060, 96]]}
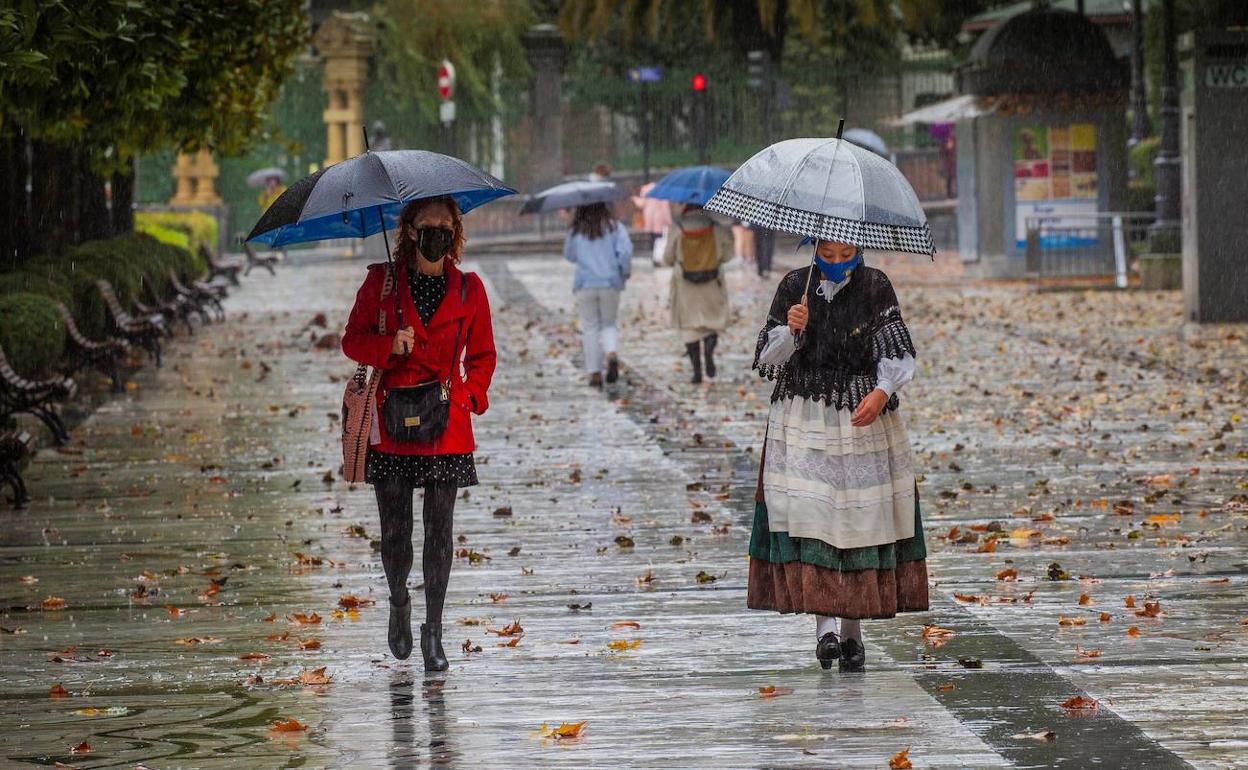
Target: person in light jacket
{"points": [[600, 247], [697, 249]]}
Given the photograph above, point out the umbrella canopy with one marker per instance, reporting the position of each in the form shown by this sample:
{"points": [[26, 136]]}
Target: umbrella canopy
{"points": [[828, 189], [695, 184], [259, 178], [867, 140], [570, 195], [353, 198]]}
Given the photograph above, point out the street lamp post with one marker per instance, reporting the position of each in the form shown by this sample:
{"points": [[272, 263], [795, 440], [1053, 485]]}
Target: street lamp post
{"points": [[1141, 127], [1164, 235]]}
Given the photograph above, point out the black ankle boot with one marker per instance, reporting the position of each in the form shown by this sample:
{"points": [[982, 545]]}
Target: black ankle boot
{"points": [[828, 651], [400, 634], [613, 369], [695, 358], [431, 647], [708, 349], [853, 656]]}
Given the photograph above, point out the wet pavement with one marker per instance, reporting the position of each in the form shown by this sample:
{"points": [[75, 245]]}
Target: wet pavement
{"points": [[1089, 448]]}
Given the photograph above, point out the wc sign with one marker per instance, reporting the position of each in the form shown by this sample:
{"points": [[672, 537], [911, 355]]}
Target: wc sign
{"points": [[1227, 74]]}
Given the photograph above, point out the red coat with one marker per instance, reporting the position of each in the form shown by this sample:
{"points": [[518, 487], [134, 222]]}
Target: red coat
{"points": [[431, 357]]}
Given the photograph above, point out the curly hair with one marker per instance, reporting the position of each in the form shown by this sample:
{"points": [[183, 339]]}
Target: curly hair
{"points": [[405, 249]]}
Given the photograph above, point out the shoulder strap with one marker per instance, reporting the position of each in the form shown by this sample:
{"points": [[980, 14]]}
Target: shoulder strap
{"points": [[459, 330], [386, 287]]}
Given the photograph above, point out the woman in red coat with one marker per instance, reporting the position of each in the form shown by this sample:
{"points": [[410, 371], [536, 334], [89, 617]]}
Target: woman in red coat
{"points": [[439, 303]]}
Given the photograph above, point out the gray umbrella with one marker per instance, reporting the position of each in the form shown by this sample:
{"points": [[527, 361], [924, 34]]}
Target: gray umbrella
{"points": [[259, 178], [570, 195], [827, 189], [868, 140]]}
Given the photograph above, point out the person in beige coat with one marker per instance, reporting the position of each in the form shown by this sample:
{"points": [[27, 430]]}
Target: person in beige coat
{"points": [[697, 248]]}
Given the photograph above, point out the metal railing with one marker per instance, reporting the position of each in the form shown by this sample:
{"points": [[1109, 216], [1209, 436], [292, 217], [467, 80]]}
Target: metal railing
{"points": [[1086, 245]]}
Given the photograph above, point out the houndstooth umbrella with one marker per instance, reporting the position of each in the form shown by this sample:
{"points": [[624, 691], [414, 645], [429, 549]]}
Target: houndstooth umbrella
{"points": [[827, 189]]}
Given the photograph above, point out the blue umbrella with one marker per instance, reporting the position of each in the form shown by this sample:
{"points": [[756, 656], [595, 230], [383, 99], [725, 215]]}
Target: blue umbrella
{"points": [[695, 184], [358, 197]]}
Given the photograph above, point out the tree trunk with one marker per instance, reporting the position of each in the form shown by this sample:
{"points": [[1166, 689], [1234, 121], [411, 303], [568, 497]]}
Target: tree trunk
{"points": [[123, 200], [15, 234], [93, 212]]}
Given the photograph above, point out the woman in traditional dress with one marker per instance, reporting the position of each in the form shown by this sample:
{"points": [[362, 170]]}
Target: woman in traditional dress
{"points": [[837, 532], [697, 250]]}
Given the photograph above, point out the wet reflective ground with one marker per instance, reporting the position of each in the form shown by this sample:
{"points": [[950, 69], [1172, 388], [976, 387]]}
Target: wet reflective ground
{"points": [[209, 569]]}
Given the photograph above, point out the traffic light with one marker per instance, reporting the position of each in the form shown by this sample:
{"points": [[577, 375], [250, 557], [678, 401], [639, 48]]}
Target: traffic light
{"points": [[700, 122]]}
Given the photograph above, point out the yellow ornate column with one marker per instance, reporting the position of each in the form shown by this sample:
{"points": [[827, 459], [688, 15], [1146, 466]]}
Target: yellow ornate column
{"points": [[345, 44], [195, 177]]}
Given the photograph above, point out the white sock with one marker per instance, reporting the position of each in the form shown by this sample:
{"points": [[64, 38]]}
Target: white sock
{"points": [[851, 629], [824, 624]]}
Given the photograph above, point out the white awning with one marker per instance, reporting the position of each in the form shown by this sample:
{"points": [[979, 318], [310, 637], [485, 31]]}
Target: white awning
{"points": [[949, 111]]}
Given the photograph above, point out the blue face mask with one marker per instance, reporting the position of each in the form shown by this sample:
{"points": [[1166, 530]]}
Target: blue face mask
{"points": [[838, 271]]}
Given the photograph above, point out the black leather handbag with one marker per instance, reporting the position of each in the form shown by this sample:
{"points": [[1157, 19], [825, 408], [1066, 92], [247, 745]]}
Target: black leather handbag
{"points": [[419, 413]]}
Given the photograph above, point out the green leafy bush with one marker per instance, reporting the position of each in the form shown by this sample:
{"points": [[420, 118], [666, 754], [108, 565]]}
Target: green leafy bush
{"points": [[32, 335]]}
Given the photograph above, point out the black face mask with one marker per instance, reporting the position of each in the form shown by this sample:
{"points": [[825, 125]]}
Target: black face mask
{"points": [[434, 242]]}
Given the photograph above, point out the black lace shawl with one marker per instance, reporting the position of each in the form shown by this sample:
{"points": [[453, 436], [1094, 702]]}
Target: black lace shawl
{"points": [[844, 340]]}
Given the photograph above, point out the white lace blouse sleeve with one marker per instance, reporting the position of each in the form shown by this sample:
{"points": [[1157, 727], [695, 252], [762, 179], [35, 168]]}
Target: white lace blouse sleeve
{"points": [[892, 373], [779, 348]]}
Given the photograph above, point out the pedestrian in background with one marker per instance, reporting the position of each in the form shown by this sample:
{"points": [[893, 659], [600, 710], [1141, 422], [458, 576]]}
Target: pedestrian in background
{"points": [[837, 532], [764, 248], [600, 247], [415, 325], [696, 251], [656, 218]]}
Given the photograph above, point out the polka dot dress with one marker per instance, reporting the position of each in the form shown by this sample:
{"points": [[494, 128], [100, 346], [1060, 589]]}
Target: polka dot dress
{"points": [[428, 292]]}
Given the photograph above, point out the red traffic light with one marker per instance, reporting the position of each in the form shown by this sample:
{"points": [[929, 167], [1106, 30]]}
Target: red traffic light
{"points": [[699, 82]]}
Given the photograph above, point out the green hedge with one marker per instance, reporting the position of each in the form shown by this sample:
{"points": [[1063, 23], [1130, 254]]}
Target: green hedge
{"points": [[32, 335], [197, 228], [71, 278]]}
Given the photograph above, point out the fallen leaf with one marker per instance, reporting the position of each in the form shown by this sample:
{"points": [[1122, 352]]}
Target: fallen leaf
{"points": [[353, 602], [1106, 617], [1085, 600], [468, 646], [1008, 574], [58, 691], [564, 732], [498, 598], [254, 656], [771, 691], [1080, 703], [512, 642], [302, 619], [1151, 610], [82, 748], [900, 760], [1046, 735], [511, 629], [315, 676], [111, 711], [623, 624], [192, 640], [28, 579], [1129, 601], [287, 726], [623, 644], [1094, 653], [1062, 620], [53, 603], [1133, 631]]}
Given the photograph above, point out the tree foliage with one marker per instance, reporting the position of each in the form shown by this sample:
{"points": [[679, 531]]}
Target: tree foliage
{"points": [[416, 35]]}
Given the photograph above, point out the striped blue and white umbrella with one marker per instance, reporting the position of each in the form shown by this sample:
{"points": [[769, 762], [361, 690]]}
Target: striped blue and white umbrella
{"points": [[830, 190]]}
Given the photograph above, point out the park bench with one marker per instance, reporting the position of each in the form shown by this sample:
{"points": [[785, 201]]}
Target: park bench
{"points": [[19, 395], [221, 268], [173, 309], [145, 332], [255, 260], [80, 352], [199, 294], [15, 446]]}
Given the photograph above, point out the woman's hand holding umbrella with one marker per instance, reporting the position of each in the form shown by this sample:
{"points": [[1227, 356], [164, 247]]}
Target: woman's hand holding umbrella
{"points": [[799, 315], [403, 342]]}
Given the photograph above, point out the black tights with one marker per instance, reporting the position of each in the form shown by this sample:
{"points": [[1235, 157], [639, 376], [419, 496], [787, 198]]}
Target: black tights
{"points": [[394, 503]]}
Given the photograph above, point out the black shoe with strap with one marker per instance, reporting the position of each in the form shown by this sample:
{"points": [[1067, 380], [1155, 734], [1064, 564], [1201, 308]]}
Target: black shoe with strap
{"points": [[431, 647], [853, 656], [613, 369], [400, 633], [828, 651]]}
